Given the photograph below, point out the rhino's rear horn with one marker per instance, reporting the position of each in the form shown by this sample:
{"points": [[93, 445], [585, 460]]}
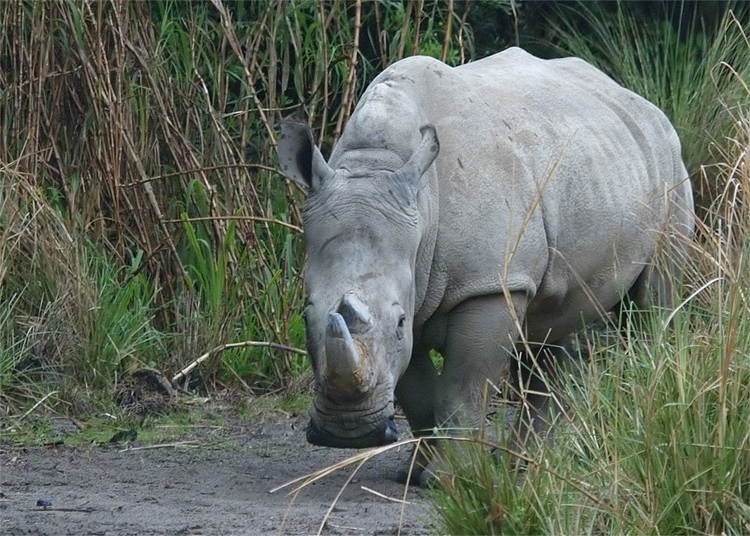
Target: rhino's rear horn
{"points": [[356, 315]]}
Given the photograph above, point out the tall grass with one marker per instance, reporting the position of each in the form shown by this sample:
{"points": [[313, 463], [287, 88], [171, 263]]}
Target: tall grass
{"points": [[142, 218], [656, 437], [67, 314], [690, 71]]}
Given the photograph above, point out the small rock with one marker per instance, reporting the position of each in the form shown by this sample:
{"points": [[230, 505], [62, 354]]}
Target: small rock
{"points": [[124, 436], [44, 503], [63, 427]]}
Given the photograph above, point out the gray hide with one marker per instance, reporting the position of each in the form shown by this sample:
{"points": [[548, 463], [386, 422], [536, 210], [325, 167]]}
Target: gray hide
{"points": [[540, 206]]}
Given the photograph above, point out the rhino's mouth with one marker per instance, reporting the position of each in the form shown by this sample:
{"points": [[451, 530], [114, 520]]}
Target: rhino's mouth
{"points": [[344, 431], [322, 438]]}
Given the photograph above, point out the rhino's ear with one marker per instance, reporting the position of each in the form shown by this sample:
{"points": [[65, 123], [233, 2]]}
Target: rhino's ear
{"points": [[299, 157], [425, 153]]}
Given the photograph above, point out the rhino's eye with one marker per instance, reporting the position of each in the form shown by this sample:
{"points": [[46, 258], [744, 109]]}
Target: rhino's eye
{"points": [[401, 324]]}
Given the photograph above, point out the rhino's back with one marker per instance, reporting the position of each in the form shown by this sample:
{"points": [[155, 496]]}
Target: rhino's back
{"points": [[551, 151]]}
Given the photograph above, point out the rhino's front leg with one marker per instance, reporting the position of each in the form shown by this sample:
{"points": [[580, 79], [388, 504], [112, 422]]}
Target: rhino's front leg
{"points": [[479, 344], [480, 340], [476, 341], [415, 393]]}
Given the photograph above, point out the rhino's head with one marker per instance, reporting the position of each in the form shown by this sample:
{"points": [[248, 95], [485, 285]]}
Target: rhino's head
{"points": [[362, 234]]}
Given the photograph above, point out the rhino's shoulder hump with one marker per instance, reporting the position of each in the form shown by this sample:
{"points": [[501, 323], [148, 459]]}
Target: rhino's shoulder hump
{"points": [[411, 69]]}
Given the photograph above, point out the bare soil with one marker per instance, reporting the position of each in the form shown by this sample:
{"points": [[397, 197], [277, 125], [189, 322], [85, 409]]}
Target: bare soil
{"points": [[212, 480]]}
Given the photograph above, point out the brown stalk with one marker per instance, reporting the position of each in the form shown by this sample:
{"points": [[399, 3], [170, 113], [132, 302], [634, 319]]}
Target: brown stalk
{"points": [[183, 374], [464, 17], [325, 68], [289, 226], [346, 100], [405, 28], [417, 24], [187, 172], [253, 52], [226, 22], [220, 231], [447, 39], [129, 146], [381, 38]]}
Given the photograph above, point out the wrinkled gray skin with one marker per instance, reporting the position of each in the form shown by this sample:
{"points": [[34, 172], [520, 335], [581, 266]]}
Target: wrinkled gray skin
{"points": [[541, 205]]}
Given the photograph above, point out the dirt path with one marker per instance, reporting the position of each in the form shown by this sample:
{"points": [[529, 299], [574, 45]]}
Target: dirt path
{"points": [[218, 482]]}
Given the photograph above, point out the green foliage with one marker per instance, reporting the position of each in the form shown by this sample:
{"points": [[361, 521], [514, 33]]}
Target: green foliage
{"points": [[94, 329], [116, 333], [656, 442], [483, 497], [146, 223]]}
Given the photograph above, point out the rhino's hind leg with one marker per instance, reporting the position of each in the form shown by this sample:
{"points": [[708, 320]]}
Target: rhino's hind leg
{"points": [[536, 380], [660, 282], [654, 287]]}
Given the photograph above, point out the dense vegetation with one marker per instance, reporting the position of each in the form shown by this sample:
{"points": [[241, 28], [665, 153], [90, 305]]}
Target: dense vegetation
{"points": [[143, 223], [143, 220]]}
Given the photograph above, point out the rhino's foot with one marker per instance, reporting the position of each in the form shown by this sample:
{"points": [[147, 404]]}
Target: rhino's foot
{"points": [[427, 466], [415, 471], [408, 475], [424, 477]]}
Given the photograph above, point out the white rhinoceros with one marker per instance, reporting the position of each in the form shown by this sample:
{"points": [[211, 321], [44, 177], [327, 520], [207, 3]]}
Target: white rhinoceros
{"points": [[541, 206]]}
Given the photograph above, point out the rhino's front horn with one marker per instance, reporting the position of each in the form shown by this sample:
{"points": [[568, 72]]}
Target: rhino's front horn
{"points": [[343, 375]]}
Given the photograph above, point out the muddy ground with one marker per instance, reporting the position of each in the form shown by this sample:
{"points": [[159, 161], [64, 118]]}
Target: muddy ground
{"points": [[211, 480]]}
